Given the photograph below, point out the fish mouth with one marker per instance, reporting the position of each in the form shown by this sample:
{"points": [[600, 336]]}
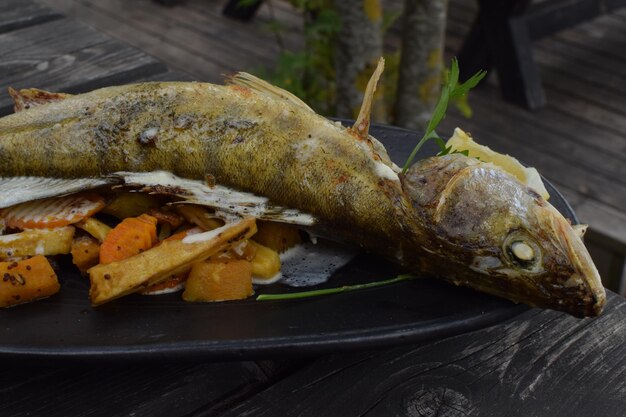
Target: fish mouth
{"points": [[585, 278]]}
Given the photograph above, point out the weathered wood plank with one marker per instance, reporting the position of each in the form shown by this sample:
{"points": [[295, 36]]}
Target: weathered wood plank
{"points": [[15, 14], [541, 363], [76, 59], [145, 389]]}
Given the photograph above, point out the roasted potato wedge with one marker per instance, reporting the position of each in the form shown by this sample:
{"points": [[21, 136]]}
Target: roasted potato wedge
{"points": [[171, 257], [37, 242], [211, 281], [26, 280]]}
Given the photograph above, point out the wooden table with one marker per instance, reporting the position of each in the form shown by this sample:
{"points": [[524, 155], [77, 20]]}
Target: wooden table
{"points": [[540, 363]]}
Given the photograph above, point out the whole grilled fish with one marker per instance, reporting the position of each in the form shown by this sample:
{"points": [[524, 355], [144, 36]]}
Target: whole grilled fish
{"points": [[460, 219]]}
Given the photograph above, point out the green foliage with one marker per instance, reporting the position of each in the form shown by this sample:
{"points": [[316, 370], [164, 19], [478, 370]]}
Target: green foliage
{"points": [[310, 73], [451, 90]]}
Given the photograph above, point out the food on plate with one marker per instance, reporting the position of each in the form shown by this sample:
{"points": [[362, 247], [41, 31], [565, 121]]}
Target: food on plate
{"points": [[251, 150], [26, 280], [168, 259], [219, 281]]}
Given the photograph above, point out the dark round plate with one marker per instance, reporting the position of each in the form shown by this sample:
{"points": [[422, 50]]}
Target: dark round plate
{"points": [[165, 327]]}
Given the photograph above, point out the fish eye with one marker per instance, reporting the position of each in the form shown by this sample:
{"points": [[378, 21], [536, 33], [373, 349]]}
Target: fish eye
{"points": [[521, 250]]}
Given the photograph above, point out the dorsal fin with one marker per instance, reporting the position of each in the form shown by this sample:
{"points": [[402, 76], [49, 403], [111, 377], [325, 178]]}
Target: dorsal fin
{"points": [[27, 98], [243, 79], [362, 125]]}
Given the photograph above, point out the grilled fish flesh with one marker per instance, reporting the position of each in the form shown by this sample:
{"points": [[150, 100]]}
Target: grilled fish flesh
{"points": [[455, 217]]}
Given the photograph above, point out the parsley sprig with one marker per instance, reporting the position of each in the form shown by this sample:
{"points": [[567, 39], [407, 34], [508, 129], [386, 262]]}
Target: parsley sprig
{"points": [[451, 90]]}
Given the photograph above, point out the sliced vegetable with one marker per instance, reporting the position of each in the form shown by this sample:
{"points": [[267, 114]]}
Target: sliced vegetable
{"points": [[26, 280], [37, 242], [52, 212], [171, 257], [85, 253], [132, 236], [210, 281], [277, 236], [94, 227], [266, 262]]}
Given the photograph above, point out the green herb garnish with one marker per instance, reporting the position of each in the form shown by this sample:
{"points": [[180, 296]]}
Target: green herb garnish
{"points": [[451, 90], [336, 290]]}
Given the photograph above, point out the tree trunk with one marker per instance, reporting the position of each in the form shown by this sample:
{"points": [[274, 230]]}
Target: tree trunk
{"points": [[421, 63], [359, 46]]}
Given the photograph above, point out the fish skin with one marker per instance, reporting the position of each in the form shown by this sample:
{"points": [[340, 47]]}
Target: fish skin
{"points": [[449, 216]]}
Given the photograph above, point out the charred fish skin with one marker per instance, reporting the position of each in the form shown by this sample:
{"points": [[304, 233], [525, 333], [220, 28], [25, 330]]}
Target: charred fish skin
{"points": [[500, 237], [452, 216]]}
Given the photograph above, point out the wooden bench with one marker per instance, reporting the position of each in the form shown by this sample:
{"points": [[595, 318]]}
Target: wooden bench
{"points": [[502, 36]]}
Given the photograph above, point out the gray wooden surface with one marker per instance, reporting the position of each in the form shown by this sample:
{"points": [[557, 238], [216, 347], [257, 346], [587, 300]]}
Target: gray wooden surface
{"points": [[540, 363]]}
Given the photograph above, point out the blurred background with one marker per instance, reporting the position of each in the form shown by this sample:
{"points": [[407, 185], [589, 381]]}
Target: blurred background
{"points": [[555, 96]]}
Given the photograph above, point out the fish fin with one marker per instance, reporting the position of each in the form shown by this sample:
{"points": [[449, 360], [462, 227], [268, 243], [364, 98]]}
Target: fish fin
{"points": [[580, 229], [227, 202], [243, 79], [362, 124], [16, 190], [27, 98]]}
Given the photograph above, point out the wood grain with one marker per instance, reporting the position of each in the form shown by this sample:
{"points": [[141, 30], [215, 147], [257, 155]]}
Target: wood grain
{"points": [[15, 14], [75, 59], [541, 363], [144, 389]]}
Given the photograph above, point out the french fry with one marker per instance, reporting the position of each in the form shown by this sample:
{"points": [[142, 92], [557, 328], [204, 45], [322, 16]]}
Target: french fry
{"points": [[37, 242], [95, 228], [171, 257], [85, 253], [26, 280], [209, 281]]}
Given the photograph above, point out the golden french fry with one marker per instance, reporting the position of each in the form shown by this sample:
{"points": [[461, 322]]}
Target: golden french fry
{"points": [[171, 257], [37, 242], [94, 227], [85, 253]]}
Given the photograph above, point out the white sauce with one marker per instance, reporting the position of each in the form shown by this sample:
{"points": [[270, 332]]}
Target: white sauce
{"points": [[205, 236], [310, 264]]}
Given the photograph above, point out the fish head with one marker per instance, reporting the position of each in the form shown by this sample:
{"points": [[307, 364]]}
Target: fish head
{"points": [[492, 233]]}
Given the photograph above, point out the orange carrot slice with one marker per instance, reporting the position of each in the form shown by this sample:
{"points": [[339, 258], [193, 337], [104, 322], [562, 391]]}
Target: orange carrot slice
{"points": [[52, 212], [132, 236]]}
